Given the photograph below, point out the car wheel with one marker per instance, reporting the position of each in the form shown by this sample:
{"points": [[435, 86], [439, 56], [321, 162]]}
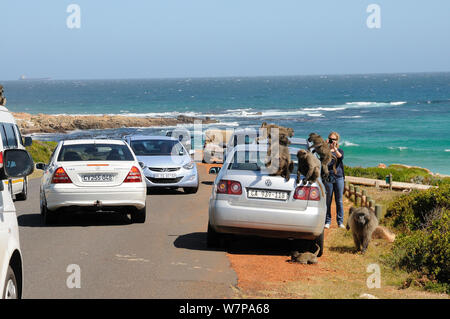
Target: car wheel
{"points": [[190, 190], [213, 238], [48, 216], [10, 291], [10, 190], [24, 194], [139, 215]]}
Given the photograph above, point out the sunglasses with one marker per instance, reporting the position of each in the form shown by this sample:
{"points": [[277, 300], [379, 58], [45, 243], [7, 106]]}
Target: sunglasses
{"points": [[332, 139]]}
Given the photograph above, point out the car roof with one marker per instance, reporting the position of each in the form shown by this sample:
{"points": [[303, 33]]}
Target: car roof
{"points": [[297, 140], [151, 137], [260, 147], [92, 141]]}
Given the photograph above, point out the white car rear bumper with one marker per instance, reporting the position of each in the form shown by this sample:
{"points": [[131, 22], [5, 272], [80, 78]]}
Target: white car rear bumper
{"points": [[268, 222], [60, 195]]}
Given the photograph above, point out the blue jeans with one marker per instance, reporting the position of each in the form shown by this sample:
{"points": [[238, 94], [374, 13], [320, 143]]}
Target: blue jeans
{"points": [[338, 189]]}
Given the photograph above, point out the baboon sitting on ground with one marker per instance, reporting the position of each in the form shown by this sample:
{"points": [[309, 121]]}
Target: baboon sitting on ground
{"points": [[306, 257], [323, 149], [362, 223]]}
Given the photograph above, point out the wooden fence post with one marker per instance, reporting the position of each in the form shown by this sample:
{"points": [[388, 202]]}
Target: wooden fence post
{"points": [[363, 198], [357, 196], [378, 211]]}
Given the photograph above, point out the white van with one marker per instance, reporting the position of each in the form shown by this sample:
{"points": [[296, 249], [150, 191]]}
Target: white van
{"points": [[15, 164], [11, 138]]}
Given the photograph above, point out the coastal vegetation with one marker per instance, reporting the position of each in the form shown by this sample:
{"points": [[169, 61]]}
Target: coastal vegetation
{"points": [[422, 248], [400, 173]]}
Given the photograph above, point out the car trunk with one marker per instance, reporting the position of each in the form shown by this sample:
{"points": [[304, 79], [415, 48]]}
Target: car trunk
{"points": [[261, 181], [90, 174]]}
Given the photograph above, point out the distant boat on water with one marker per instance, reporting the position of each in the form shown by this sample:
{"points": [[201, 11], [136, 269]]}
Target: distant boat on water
{"points": [[24, 78]]}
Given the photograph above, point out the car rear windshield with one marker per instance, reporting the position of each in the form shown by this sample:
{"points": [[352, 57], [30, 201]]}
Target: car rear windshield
{"points": [[253, 161], [157, 148], [95, 152]]}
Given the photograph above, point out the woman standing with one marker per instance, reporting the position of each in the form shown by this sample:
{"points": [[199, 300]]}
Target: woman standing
{"points": [[335, 183]]}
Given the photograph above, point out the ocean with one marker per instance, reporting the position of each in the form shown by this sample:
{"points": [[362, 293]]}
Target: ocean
{"points": [[382, 118]]}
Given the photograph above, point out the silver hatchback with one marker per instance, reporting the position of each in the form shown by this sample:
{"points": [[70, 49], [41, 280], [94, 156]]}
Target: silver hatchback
{"points": [[246, 200]]}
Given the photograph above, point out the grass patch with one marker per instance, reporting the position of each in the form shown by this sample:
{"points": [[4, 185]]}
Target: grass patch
{"points": [[40, 152]]}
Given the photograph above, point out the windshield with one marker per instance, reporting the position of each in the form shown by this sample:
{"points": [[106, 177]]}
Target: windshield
{"points": [[95, 152], [253, 161], [157, 148]]}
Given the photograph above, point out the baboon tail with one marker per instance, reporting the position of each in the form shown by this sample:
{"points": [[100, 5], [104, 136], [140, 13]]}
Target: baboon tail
{"points": [[317, 251]]}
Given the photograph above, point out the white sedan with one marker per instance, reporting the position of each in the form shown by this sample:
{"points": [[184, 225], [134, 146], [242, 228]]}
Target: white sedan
{"points": [[247, 200], [92, 175]]}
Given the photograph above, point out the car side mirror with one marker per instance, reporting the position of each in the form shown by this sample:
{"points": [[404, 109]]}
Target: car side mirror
{"points": [[214, 170], [16, 163], [191, 152], [40, 166], [142, 165], [27, 141]]}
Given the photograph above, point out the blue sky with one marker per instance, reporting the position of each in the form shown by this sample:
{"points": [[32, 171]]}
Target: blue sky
{"points": [[206, 38]]}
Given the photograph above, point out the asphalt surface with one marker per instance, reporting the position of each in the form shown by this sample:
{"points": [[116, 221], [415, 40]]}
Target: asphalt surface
{"points": [[164, 258]]}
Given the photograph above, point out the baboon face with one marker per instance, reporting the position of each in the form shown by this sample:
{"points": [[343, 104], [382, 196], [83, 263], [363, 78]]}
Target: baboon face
{"points": [[284, 140], [312, 136], [361, 218], [301, 154]]}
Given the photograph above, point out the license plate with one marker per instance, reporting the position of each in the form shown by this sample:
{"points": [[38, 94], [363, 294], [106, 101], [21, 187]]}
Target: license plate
{"points": [[266, 194], [165, 175], [98, 178]]}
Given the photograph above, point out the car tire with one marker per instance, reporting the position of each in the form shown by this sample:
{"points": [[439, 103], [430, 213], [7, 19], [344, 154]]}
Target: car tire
{"points": [[213, 238], [48, 216], [190, 190], [24, 194], [139, 216], [11, 290], [10, 190]]}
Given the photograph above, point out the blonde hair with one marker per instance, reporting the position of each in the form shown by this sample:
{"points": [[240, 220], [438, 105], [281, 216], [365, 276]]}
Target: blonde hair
{"points": [[338, 137]]}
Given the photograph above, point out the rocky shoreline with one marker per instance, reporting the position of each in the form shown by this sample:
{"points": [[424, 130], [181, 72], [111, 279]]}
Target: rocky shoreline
{"points": [[45, 123]]}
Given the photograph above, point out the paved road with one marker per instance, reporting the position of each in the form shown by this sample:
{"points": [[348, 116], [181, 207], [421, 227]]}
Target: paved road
{"points": [[164, 258]]}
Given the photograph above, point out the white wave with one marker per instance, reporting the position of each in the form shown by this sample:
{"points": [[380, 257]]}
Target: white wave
{"points": [[447, 150], [401, 148], [351, 117], [398, 103], [329, 109], [348, 144], [315, 114]]}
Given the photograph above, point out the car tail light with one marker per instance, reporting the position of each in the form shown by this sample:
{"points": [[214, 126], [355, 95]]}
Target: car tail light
{"points": [[229, 187], [1, 159], [307, 193], [60, 177], [134, 176]]}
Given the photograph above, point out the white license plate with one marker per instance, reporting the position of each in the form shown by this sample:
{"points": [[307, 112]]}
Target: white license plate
{"points": [[165, 175], [266, 194], [97, 178]]}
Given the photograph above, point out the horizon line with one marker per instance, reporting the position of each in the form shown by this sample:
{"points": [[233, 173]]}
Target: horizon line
{"points": [[221, 76]]}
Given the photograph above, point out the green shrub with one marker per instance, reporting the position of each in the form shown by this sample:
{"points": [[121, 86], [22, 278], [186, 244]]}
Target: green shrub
{"points": [[409, 212], [423, 246], [41, 151]]}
